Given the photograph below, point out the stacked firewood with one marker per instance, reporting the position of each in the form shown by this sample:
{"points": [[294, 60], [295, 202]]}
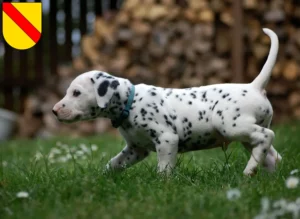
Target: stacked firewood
{"points": [[284, 18], [162, 43], [170, 44]]}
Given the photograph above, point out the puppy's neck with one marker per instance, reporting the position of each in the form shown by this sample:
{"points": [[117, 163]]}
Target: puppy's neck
{"points": [[118, 101]]}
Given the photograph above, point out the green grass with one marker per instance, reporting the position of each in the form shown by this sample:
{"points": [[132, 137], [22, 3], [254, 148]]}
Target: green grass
{"points": [[197, 189]]}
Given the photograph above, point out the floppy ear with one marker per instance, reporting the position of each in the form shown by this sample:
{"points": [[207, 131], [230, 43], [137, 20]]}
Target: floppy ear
{"points": [[104, 88]]}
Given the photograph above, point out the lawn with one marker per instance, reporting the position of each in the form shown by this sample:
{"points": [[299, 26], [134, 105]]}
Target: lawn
{"points": [[64, 178]]}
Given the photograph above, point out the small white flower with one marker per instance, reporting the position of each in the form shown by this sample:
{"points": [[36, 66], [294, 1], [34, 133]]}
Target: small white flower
{"points": [[73, 149], [55, 151], [63, 159], [51, 156], [265, 204], [292, 182], [84, 148], [22, 194], [38, 155], [58, 144], [104, 154], [68, 156], [281, 203], [293, 208], [4, 163], [294, 171], [65, 147], [233, 194], [94, 147], [79, 153], [260, 216]]}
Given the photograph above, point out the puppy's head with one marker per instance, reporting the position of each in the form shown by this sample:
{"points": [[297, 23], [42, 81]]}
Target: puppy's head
{"points": [[87, 97]]}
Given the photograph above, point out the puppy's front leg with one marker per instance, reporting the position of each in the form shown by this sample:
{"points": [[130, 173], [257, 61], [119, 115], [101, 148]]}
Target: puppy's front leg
{"points": [[127, 157], [167, 148]]}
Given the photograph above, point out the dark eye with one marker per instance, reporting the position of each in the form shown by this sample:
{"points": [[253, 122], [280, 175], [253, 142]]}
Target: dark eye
{"points": [[76, 93]]}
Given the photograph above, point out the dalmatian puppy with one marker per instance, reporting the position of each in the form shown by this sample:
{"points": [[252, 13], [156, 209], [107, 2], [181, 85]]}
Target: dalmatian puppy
{"points": [[171, 121]]}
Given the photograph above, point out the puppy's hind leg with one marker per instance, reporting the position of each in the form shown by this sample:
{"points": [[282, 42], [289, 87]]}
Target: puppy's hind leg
{"points": [[260, 139], [273, 158]]}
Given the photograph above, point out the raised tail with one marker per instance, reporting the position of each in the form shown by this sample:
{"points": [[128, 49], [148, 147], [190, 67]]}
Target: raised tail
{"points": [[262, 79]]}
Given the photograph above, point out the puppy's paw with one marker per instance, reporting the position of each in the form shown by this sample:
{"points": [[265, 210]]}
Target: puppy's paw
{"points": [[250, 172]]}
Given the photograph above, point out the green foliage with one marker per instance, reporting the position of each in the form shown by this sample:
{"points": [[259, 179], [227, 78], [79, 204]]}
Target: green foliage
{"points": [[79, 188]]}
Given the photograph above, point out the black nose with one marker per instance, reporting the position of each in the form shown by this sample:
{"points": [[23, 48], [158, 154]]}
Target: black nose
{"points": [[54, 112]]}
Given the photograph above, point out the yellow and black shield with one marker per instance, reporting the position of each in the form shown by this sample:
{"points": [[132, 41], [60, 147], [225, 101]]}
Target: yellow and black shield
{"points": [[22, 24]]}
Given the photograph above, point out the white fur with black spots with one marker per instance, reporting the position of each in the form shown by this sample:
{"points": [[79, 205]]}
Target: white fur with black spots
{"points": [[169, 121]]}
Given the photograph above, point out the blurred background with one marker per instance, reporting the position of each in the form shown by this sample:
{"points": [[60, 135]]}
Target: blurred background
{"points": [[168, 43]]}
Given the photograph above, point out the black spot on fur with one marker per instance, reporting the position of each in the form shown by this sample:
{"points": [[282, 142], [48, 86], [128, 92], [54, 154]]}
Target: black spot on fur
{"points": [[92, 80], [152, 133], [261, 121], [173, 117], [153, 93], [102, 89], [99, 75], [215, 105], [161, 102], [193, 95], [143, 112], [114, 84]]}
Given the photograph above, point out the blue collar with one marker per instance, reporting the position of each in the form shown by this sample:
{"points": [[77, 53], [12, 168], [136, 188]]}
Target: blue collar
{"points": [[125, 112]]}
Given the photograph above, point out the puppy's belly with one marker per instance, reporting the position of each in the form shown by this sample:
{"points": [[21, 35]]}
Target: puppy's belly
{"points": [[196, 142]]}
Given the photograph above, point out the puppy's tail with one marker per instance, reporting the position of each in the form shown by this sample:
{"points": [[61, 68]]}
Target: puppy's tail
{"points": [[262, 79]]}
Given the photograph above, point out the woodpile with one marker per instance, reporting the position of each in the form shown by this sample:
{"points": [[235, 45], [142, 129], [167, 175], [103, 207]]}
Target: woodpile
{"points": [[162, 43], [173, 43], [283, 17]]}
